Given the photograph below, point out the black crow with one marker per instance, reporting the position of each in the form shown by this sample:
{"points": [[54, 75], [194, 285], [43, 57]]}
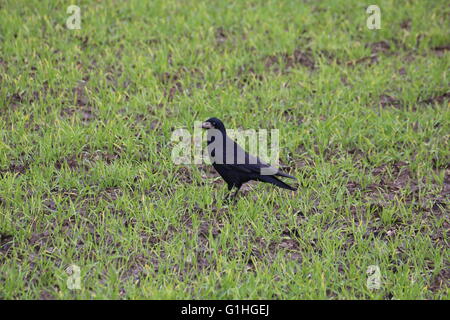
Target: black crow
{"points": [[234, 164]]}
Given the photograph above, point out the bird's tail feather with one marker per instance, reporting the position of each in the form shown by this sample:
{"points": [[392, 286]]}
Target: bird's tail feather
{"points": [[277, 182], [282, 174]]}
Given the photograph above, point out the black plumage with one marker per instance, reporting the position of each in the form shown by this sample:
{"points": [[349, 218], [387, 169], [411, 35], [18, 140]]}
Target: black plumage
{"points": [[234, 164]]}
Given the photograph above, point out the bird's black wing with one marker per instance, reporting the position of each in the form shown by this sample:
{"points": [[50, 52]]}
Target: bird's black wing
{"points": [[252, 164]]}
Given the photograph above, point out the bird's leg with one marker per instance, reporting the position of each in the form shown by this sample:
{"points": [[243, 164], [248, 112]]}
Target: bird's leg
{"points": [[227, 198], [235, 194]]}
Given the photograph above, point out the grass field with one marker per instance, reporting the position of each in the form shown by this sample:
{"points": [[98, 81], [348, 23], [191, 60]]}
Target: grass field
{"points": [[85, 152]]}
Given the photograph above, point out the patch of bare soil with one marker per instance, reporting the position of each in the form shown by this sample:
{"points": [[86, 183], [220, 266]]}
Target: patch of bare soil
{"points": [[395, 177], [221, 36], [16, 99], [377, 49], [398, 183], [173, 82], [390, 101], [441, 50], [438, 99], [406, 24], [15, 168], [83, 106], [6, 241], [247, 75], [369, 60], [290, 115], [441, 280], [83, 160], [283, 62]]}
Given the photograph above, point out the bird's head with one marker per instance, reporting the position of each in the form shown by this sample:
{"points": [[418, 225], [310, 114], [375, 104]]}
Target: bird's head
{"points": [[213, 123]]}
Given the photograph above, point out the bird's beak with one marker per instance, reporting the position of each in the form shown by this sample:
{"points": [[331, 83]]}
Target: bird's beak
{"points": [[206, 125]]}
